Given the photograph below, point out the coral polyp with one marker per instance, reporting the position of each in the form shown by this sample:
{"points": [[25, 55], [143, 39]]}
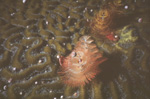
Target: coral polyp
{"points": [[82, 64]]}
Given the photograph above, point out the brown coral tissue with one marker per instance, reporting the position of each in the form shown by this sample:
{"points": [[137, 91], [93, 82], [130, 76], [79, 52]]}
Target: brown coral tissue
{"points": [[81, 65]]}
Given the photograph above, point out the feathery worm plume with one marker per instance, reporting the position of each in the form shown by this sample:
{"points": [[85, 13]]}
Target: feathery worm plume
{"points": [[81, 65]]}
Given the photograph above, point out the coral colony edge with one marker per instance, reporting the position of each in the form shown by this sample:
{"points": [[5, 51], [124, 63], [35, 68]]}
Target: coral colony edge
{"points": [[82, 64]]}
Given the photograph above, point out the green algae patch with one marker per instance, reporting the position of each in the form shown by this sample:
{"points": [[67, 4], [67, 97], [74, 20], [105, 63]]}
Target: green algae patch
{"points": [[128, 36]]}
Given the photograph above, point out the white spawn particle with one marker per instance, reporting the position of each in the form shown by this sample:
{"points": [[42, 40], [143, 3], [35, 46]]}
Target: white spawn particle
{"points": [[116, 36], [40, 61], [75, 94], [86, 8], [9, 81], [91, 10], [53, 38], [64, 43], [27, 46], [140, 20], [87, 20], [61, 97], [50, 91], [36, 82], [12, 14], [5, 87], [47, 22], [14, 68], [68, 16], [23, 1], [28, 38], [58, 56], [20, 93], [126, 7]]}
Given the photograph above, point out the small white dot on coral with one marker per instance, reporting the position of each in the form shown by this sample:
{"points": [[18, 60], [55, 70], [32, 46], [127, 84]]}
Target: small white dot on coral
{"points": [[50, 91], [140, 20], [58, 56], [5, 87], [20, 93], [86, 8], [68, 16], [36, 82], [40, 61], [87, 20], [61, 97], [12, 14], [53, 38], [116, 36], [64, 43], [91, 10], [47, 22], [126, 7], [14, 69], [23, 1], [75, 94], [28, 38], [9, 81]]}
